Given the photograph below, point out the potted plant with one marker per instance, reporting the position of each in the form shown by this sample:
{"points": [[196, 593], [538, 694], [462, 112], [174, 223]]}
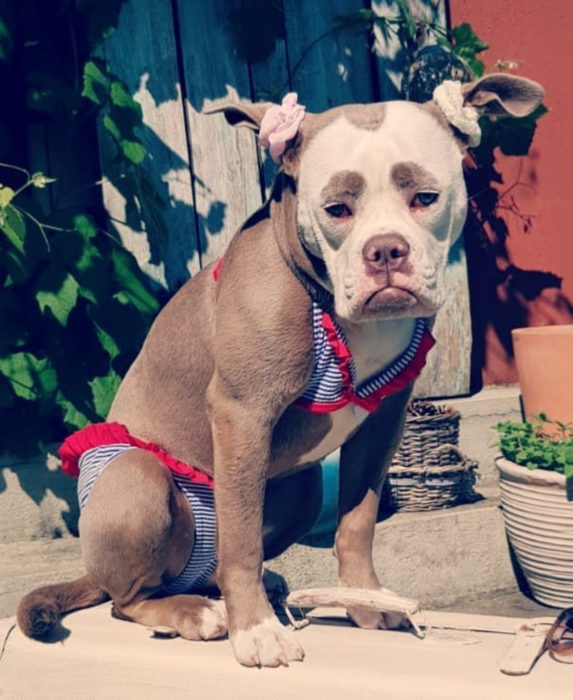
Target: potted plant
{"points": [[536, 483]]}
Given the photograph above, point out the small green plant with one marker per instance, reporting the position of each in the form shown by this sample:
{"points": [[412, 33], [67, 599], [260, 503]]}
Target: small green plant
{"points": [[539, 443]]}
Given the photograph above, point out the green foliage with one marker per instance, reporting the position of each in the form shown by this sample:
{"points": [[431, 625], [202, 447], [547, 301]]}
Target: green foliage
{"points": [[538, 444], [74, 305], [121, 114], [466, 44], [74, 309]]}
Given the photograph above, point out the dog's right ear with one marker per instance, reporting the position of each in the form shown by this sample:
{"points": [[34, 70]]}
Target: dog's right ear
{"points": [[247, 114], [277, 125]]}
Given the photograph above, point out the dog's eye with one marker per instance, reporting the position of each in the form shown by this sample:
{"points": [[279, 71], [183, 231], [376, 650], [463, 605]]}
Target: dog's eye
{"points": [[339, 211], [424, 199]]}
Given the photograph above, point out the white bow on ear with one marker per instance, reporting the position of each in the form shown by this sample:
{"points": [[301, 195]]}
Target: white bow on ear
{"points": [[450, 99]]}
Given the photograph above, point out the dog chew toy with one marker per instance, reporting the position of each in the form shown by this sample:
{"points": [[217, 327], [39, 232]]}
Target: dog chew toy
{"points": [[382, 600]]}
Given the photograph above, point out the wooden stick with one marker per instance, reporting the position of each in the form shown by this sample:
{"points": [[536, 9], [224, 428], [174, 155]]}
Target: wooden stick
{"points": [[381, 600]]}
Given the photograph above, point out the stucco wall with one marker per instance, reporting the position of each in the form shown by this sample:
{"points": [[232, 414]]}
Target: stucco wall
{"points": [[538, 35]]}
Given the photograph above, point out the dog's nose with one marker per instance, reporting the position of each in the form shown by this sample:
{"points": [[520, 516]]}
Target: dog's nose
{"points": [[386, 251]]}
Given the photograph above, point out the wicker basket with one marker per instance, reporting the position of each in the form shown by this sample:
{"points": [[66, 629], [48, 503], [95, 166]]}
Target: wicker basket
{"points": [[433, 485], [424, 434]]}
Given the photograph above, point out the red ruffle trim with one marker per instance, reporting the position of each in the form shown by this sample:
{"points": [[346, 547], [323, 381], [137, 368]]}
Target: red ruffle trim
{"points": [[373, 400], [217, 269], [100, 434]]}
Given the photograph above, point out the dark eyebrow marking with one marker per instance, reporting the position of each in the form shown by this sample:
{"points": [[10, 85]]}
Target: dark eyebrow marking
{"points": [[411, 175], [346, 183]]}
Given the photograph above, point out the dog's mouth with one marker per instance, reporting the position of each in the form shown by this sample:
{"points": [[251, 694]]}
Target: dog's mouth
{"points": [[390, 300]]}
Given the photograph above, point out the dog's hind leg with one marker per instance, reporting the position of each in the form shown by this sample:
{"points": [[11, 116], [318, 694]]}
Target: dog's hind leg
{"points": [[137, 533]]}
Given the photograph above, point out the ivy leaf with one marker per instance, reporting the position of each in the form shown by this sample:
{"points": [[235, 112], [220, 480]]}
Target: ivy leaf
{"points": [[29, 376], [14, 226], [131, 284], [104, 389], [112, 127], [121, 97], [96, 82], [466, 44], [133, 151], [85, 225], [73, 417], [60, 297], [466, 40]]}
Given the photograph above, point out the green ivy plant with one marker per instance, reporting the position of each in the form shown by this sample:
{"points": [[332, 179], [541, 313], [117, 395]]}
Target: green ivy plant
{"points": [[74, 305], [74, 308], [539, 443]]}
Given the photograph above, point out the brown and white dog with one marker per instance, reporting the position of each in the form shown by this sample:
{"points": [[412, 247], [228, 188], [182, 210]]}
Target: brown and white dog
{"points": [[366, 204]]}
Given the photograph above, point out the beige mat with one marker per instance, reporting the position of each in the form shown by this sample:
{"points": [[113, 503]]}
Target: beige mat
{"points": [[106, 658]]}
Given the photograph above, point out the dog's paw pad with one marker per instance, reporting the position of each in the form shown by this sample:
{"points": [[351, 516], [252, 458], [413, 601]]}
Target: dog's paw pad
{"points": [[266, 644]]}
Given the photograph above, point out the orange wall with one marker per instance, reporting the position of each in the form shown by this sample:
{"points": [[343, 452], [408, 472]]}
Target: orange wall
{"points": [[539, 36]]}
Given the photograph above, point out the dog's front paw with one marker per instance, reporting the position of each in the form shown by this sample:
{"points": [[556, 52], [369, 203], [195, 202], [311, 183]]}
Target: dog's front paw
{"points": [[266, 644]]}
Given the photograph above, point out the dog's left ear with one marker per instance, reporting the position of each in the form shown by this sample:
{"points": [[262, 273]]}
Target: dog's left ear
{"points": [[500, 93], [247, 114], [497, 94]]}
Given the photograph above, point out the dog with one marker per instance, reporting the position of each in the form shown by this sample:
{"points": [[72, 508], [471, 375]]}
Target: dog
{"points": [[305, 337]]}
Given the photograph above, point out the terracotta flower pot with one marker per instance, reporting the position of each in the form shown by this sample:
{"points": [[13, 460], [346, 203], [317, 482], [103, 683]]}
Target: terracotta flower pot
{"points": [[539, 524], [544, 359]]}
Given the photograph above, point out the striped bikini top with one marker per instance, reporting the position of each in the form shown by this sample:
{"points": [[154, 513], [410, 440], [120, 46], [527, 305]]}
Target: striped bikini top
{"points": [[332, 384]]}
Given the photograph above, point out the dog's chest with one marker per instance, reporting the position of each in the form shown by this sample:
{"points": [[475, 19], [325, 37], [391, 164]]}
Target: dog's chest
{"points": [[373, 347], [344, 423]]}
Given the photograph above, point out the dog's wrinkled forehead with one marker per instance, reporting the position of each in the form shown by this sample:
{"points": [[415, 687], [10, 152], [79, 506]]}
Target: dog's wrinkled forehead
{"points": [[372, 141]]}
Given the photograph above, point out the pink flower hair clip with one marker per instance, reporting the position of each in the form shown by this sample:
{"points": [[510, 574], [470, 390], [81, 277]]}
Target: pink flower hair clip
{"points": [[280, 124]]}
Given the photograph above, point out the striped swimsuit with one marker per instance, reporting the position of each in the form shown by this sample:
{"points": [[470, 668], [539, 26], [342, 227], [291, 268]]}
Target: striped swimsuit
{"points": [[202, 563], [331, 387], [332, 384]]}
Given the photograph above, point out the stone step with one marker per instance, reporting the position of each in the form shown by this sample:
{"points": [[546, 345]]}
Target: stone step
{"points": [[439, 557], [27, 565]]}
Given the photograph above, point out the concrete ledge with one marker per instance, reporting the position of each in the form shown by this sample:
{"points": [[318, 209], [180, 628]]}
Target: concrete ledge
{"points": [[36, 499], [27, 565], [438, 557]]}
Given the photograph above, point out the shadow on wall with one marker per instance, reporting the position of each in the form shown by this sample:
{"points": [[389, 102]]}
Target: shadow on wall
{"points": [[182, 55], [52, 492], [503, 296]]}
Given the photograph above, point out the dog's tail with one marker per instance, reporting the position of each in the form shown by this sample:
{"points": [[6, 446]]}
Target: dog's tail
{"points": [[42, 609]]}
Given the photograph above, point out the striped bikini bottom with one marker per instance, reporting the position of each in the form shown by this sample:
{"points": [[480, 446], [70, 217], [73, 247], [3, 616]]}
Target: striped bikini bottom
{"points": [[203, 560]]}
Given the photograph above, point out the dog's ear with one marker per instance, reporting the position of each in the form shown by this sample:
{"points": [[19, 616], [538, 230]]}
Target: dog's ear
{"points": [[461, 105], [247, 114], [501, 93]]}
